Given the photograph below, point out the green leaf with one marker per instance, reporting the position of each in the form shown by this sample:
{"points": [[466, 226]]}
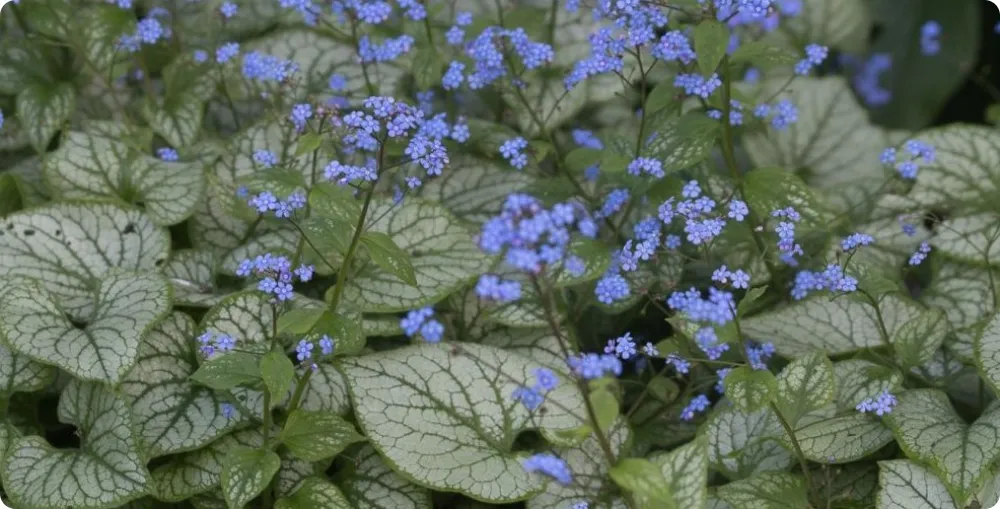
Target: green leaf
{"points": [[106, 471], [829, 324], [69, 248], [750, 389], [329, 236], [308, 143], [10, 194], [686, 472], [278, 374], [102, 348], [605, 406], [315, 436], [23, 64], [903, 484], [93, 164], [404, 397], [744, 444], [191, 274], [842, 439], [973, 239], [590, 474], [770, 490], [442, 253], [227, 371], [929, 430], [43, 109], [806, 384], [299, 321], [917, 78], [711, 39], [752, 295], [326, 391], [965, 293], [833, 144], [315, 493], [768, 189], [477, 192], [172, 414], [199, 471], [987, 352], [97, 30], [916, 341], [643, 478], [762, 55], [662, 96], [840, 24], [371, 484], [387, 255], [246, 474], [178, 116]]}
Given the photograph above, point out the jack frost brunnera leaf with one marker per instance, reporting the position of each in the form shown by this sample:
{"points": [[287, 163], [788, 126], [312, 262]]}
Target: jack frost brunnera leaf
{"points": [[474, 189], [841, 24], [43, 108], [928, 430], [805, 384], [171, 413], [973, 239], [841, 439], [315, 493], [370, 484], [18, 373], [744, 444], [768, 490], [199, 471], [446, 419], [904, 484], [245, 316], [246, 473], [106, 345], [94, 164], [590, 471], [965, 174], [832, 325], [69, 247], [105, 472], [191, 274], [987, 352], [442, 253], [858, 379], [686, 471]]}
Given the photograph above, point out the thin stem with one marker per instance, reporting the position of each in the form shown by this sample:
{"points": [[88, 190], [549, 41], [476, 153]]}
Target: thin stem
{"points": [[795, 445]]}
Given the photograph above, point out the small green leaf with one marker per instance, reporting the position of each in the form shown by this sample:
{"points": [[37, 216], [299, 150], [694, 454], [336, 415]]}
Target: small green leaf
{"points": [[308, 143], [605, 407], [10, 194], [315, 493], [43, 109], [644, 479], [686, 471], [746, 303], [228, 371], [387, 255], [769, 490], [315, 436], [762, 55], [246, 474], [278, 373], [750, 389], [336, 202], [299, 321], [917, 340], [805, 384], [328, 235], [711, 39], [664, 389], [662, 96]]}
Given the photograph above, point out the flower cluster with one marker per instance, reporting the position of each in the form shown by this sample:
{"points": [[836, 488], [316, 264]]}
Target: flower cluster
{"points": [[918, 257], [275, 274], [717, 309], [699, 404], [757, 355], [513, 151], [737, 278], [930, 42], [590, 366], [550, 465], [831, 279], [696, 84], [815, 55], [532, 236], [263, 67], [215, 342], [856, 240], [907, 163], [419, 322], [782, 114], [266, 201], [785, 229], [866, 77], [879, 405], [487, 52], [148, 31], [490, 287], [532, 397], [623, 347], [304, 349]]}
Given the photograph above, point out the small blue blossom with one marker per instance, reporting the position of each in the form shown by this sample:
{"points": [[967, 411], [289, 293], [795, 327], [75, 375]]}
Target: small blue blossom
{"points": [[575, 266], [674, 46], [720, 384], [545, 380], [265, 158], [697, 405], [918, 257], [738, 210], [304, 350], [513, 151], [758, 355], [647, 165], [390, 49], [491, 287], [301, 113], [167, 154], [227, 52], [228, 411], [623, 347], [587, 139], [228, 9], [326, 345], [679, 364], [200, 56], [930, 33], [696, 84], [590, 366], [611, 288], [856, 240], [879, 405], [815, 55], [550, 465], [650, 350]]}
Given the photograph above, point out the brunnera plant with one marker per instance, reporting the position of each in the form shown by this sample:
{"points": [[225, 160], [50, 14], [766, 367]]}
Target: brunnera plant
{"points": [[580, 254]]}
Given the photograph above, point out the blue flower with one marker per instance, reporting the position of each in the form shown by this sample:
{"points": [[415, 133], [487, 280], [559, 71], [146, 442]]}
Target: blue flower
{"points": [[304, 350], [549, 465], [228, 411], [611, 288], [326, 345], [301, 113], [918, 257], [545, 380], [491, 287], [879, 405], [529, 397], [228, 9], [265, 158], [587, 139], [166, 154], [697, 405], [226, 52], [590, 366], [930, 33], [513, 151]]}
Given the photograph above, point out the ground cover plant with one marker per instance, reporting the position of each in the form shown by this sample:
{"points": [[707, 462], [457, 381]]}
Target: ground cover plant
{"points": [[566, 254]]}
